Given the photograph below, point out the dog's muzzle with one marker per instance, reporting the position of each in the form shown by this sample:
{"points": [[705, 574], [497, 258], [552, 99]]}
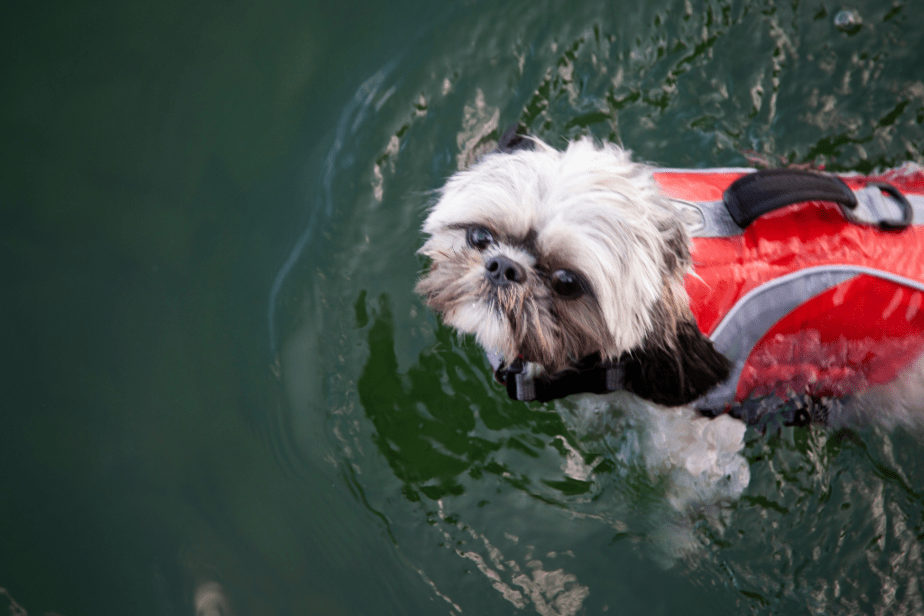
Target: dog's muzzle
{"points": [[502, 271]]}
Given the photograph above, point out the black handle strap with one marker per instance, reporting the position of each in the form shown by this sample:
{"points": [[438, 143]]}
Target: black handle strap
{"points": [[755, 194]]}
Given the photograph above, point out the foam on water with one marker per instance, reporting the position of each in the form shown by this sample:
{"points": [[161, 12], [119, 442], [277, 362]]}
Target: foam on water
{"points": [[698, 461]]}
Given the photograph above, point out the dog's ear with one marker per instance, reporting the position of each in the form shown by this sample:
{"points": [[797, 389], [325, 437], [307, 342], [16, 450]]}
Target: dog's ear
{"points": [[513, 139], [676, 373]]}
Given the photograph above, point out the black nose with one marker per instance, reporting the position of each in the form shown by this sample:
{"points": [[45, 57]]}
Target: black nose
{"points": [[502, 271]]}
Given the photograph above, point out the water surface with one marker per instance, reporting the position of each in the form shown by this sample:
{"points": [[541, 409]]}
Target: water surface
{"points": [[216, 370]]}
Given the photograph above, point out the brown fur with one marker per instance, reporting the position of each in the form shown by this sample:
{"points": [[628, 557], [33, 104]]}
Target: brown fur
{"points": [[544, 329], [592, 208]]}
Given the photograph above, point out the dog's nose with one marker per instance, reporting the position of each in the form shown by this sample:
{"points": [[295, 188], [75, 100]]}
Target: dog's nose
{"points": [[502, 271]]}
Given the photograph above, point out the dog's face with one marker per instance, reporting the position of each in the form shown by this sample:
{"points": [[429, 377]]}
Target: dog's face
{"points": [[552, 256]]}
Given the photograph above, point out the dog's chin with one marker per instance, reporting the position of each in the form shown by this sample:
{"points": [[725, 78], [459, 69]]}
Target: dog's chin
{"points": [[510, 321], [481, 319], [522, 340]]}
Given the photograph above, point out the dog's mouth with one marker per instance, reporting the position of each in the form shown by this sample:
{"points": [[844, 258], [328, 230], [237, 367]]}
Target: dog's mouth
{"points": [[506, 301], [519, 318], [532, 330]]}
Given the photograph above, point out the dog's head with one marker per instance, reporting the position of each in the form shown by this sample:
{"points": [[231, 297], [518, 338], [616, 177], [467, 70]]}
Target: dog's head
{"points": [[550, 257]]}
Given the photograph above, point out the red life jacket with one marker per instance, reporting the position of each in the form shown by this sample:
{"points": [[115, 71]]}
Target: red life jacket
{"points": [[812, 298]]}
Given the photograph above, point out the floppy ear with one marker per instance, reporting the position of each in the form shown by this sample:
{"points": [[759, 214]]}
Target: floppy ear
{"points": [[676, 373], [513, 139]]}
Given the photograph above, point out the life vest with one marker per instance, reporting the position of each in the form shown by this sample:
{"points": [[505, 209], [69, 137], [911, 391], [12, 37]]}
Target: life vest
{"points": [[818, 290], [809, 283]]}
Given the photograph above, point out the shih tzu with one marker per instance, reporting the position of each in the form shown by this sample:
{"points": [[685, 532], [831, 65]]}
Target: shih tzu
{"points": [[559, 260], [568, 268]]}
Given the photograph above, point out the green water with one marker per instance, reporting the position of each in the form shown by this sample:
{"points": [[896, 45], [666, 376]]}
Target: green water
{"points": [[215, 368]]}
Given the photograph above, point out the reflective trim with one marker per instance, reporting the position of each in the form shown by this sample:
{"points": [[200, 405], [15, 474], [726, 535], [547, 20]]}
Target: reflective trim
{"points": [[713, 218], [759, 310], [715, 221], [873, 206]]}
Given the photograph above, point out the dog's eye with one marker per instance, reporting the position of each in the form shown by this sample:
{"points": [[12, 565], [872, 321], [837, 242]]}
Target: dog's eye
{"points": [[567, 284], [479, 237]]}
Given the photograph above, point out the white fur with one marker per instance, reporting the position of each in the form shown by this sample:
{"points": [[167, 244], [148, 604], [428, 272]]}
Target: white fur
{"points": [[591, 206], [697, 460]]}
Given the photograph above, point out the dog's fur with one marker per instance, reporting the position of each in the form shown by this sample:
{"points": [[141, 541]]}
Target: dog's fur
{"points": [[593, 213]]}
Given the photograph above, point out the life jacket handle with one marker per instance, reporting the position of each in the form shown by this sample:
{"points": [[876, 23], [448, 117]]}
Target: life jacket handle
{"points": [[755, 194]]}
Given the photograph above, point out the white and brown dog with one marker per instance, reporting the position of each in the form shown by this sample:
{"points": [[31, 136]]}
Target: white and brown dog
{"points": [[557, 260], [560, 260], [552, 257], [549, 258]]}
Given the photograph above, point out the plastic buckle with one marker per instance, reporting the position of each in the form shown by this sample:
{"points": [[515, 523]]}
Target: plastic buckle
{"points": [[882, 208]]}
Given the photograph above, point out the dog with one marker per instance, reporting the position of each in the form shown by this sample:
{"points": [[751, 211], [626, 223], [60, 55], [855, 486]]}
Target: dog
{"points": [[549, 258], [556, 260], [570, 268]]}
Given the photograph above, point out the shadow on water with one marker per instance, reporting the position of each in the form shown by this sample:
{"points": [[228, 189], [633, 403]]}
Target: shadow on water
{"points": [[558, 517]]}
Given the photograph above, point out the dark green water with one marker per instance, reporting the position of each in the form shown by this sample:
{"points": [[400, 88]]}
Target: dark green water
{"points": [[215, 369]]}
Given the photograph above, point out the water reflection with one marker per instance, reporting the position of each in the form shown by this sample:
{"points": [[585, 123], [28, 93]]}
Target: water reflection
{"points": [[460, 450], [354, 115], [440, 419]]}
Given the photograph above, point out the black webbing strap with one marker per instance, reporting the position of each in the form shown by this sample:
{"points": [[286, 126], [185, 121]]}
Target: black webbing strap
{"points": [[590, 376], [755, 194]]}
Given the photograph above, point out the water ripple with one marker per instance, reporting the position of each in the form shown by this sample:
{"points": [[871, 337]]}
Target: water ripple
{"points": [[555, 509]]}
